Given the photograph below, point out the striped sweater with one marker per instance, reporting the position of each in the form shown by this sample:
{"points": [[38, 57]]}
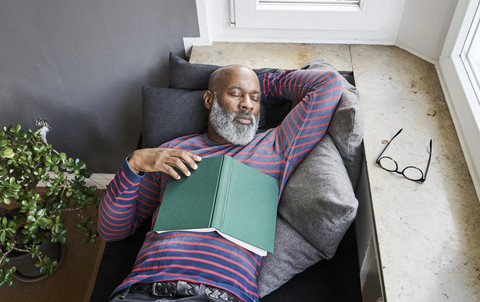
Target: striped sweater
{"points": [[207, 257]]}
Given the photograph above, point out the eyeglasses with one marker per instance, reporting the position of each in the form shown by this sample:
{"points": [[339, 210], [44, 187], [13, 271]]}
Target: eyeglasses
{"points": [[409, 172]]}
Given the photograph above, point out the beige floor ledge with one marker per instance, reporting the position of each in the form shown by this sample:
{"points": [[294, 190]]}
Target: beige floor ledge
{"points": [[428, 234]]}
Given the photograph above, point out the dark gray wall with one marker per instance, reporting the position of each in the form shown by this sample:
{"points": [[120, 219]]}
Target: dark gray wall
{"points": [[80, 65]]}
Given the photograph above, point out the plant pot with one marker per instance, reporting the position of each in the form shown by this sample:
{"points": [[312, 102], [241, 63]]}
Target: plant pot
{"points": [[25, 264]]}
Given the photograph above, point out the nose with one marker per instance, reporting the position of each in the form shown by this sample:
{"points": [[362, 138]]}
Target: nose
{"points": [[246, 103]]}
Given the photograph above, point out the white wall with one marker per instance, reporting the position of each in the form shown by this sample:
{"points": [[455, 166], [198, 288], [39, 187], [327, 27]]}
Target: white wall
{"points": [[424, 26]]}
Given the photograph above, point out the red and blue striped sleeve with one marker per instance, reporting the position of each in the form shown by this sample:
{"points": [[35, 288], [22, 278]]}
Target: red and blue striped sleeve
{"points": [[317, 94], [128, 201]]}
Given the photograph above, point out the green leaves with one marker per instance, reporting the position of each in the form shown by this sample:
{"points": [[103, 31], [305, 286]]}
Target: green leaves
{"points": [[25, 160], [47, 266], [7, 230], [63, 156], [8, 153], [6, 276]]}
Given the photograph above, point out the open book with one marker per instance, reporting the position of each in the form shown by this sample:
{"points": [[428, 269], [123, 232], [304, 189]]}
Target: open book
{"points": [[227, 196]]}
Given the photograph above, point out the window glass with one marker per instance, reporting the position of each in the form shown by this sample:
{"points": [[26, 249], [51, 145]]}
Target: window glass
{"points": [[352, 19], [473, 57], [312, 2]]}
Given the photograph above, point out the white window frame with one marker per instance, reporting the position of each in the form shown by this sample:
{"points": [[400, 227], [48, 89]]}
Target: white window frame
{"points": [[375, 22], [254, 14], [458, 87]]}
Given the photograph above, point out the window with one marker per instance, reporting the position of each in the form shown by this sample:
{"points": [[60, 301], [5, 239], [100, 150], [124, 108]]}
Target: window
{"points": [[301, 14], [459, 73], [311, 2], [471, 54], [356, 21], [332, 21]]}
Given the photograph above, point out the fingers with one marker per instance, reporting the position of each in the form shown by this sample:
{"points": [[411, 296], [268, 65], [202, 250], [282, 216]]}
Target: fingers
{"points": [[189, 158], [179, 160], [173, 166], [169, 161]]}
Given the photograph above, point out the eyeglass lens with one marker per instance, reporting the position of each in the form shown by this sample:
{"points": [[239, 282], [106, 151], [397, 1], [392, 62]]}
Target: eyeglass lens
{"points": [[410, 172]]}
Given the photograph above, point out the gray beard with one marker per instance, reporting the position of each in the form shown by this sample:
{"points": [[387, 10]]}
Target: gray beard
{"points": [[225, 124]]}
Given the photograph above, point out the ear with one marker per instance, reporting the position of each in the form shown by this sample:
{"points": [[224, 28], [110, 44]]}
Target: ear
{"points": [[208, 99]]}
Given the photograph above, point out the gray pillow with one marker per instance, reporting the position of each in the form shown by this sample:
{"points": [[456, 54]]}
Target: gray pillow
{"points": [[292, 255], [170, 113], [186, 75], [347, 124], [346, 129], [317, 207]]}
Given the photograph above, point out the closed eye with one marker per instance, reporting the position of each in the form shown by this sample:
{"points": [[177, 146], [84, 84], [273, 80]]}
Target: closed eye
{"points": [[238, 93], [255, 97]]}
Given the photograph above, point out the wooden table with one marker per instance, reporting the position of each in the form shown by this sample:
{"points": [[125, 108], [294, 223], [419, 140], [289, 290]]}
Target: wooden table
{"points": [[75, 277]]}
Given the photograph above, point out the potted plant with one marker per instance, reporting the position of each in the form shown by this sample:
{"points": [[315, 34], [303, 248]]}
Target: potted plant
{"points": [[30, 217]]}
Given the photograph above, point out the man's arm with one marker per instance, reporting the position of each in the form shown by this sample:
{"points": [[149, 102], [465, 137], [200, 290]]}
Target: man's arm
{"points": [[317, 94], [133, 195]]}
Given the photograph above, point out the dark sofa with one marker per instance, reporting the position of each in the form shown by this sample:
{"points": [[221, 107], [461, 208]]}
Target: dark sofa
{"points": [[315, 256]]}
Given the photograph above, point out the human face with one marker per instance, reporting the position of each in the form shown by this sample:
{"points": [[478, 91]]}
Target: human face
{"points": [[236, 90], [226, 124]]}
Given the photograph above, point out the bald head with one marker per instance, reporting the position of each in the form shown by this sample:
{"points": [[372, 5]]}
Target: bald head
{"points": [[224, 74]]}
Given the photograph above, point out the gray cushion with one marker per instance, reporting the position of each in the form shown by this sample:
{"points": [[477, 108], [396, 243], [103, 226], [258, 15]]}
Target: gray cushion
{"points": [[322, 208], [319, 205], [170, 113], [185, 75], [347, 124], [291, 256]]}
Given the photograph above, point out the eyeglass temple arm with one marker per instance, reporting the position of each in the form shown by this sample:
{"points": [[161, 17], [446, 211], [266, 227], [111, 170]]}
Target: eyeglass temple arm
{"points": [[429, 159], [389, 144]]}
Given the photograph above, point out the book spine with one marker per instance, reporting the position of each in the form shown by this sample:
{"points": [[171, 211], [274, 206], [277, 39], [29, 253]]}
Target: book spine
{"points": [[223, 188]]}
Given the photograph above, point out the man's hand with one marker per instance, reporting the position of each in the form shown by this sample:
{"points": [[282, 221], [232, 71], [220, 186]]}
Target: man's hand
{"points": [[163, 160]]}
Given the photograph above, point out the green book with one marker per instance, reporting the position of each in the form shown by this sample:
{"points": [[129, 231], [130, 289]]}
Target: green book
{"points": [[225, 195]]}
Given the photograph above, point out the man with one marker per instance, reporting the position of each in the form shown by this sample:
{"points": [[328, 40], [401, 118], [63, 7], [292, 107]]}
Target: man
{"points": [[204, 266]]}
